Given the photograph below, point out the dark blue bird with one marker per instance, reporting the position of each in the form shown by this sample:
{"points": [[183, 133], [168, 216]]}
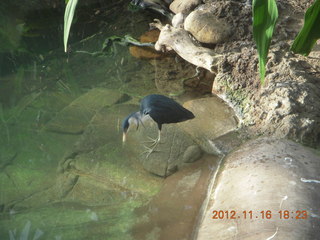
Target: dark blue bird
{"points": [[161, 109]]}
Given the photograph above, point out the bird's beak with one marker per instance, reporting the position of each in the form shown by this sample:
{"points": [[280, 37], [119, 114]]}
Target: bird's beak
{"points": [[124, 137]]}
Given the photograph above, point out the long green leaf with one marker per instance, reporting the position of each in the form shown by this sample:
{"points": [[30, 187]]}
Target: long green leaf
{"points": [[265, 15], [310, 31], [68, 17]]}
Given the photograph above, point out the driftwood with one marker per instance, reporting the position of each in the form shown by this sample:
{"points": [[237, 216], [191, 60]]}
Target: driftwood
{"points": [[179, 40]]}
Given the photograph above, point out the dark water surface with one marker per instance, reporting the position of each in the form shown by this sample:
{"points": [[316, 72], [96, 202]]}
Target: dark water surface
{"points": [[57, 179]]}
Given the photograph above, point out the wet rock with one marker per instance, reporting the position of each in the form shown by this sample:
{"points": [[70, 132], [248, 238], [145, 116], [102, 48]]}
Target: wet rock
{"points": [[104, 127], [29, 172], [265, 175], [144, 52], [229, 141], [173, 212], [183, 6], [74, 117], [214, 118], [175, 150], [192, 153], [150, 36], [206, 27], [169, 75]]}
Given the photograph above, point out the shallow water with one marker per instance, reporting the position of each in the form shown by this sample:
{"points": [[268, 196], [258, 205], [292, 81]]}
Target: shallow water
{"points": [[63, 171]]}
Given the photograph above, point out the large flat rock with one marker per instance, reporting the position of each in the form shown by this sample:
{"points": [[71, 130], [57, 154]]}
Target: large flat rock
{"points": [[75, 117], [265, 175]]}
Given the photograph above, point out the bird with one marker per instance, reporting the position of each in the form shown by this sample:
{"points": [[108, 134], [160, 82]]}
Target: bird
{"points": [[161, 109], [155, 5]]}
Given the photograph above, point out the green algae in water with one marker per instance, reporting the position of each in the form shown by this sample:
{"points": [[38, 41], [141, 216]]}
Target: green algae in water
{"points": [[74, 221], [33, 201]]}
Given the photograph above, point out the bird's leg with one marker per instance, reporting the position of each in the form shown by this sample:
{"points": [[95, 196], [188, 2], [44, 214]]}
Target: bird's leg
{"points": [[155, 141], [151, 149]]}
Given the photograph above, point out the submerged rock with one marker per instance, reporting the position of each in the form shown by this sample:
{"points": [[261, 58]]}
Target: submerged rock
{"points": [[173, 76], [147, 52], [144, 52], [266, 188], [150, 36], [74, 117]]}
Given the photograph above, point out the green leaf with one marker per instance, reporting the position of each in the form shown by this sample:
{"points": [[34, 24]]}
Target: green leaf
{"points": [[68, 17], [265, 15], [310, 31]]}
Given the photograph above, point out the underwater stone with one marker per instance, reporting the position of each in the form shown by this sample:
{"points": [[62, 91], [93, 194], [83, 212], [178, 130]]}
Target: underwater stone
{"points": [[74, 117]]}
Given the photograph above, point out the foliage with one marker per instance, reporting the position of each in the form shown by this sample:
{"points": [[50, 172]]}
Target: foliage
{"points": [[68, 17], [310, 31], [265, 15]]}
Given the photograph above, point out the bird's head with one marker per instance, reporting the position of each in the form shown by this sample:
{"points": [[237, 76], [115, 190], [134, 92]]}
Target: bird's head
{"points": [[133, 119]]}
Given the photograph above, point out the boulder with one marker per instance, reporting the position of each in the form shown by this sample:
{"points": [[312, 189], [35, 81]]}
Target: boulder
{"points": [[184, 6], [175, 150], [267, 189], [214, 118], [206, 27]]}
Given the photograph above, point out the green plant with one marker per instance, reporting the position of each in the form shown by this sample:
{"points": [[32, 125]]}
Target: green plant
{"points": [[68, 17], [265, 14], [310, 32]]}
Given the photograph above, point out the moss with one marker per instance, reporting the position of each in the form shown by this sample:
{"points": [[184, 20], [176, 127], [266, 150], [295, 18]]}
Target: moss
{"points": [[237, 96]]}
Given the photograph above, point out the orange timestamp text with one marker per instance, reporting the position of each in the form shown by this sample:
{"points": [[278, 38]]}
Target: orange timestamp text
{"points": [[264, 214]]}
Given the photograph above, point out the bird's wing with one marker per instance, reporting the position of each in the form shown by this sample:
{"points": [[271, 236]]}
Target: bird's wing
{"points": [[146, 111]]}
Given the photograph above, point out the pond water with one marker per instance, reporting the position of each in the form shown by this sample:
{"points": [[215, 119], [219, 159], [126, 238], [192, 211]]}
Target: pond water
{"points": [[63, 171]]}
